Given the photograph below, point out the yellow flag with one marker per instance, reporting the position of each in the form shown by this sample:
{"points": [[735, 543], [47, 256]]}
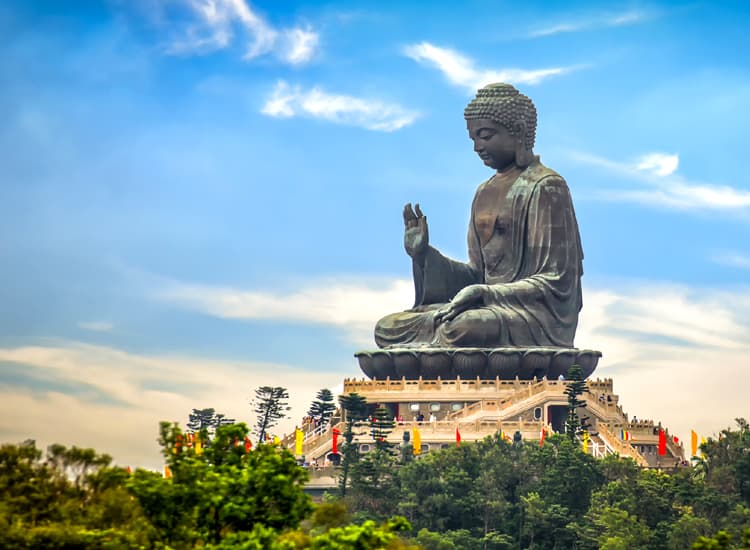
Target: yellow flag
{"points": [[693, 443], [585, 442], [299, 437], [276, 440], [417, 441], [198, 446], [167, 472], [703, 442]]}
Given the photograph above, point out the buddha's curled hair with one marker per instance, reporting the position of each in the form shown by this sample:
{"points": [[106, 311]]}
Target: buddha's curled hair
{"points": [[505, 105]]}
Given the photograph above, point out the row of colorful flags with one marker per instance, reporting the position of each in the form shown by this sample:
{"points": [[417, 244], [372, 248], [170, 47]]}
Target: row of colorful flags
{"points": [[625, 435]]}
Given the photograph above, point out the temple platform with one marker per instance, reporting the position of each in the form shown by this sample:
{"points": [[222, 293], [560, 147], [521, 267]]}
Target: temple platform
{"points": [[480, 407]]}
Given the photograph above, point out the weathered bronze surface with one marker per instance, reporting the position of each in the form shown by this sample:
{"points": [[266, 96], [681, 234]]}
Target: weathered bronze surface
{"points": [[486, 363], [522, 284]]}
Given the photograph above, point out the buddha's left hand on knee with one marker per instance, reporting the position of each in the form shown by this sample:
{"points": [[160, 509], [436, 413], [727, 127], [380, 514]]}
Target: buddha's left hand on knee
{"points": [[467, 298]]}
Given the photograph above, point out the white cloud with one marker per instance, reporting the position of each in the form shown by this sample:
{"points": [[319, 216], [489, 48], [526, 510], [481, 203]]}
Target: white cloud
{"points": [[663, 186], [125, 395], [659, 164], [351, 307], [216, 22], [96, 326], [594, 23], [288, 101], [461, 71], [301, 45], [673, 352]]}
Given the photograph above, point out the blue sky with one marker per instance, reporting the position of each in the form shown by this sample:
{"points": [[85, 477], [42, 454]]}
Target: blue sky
{"points": [[198, 197]]}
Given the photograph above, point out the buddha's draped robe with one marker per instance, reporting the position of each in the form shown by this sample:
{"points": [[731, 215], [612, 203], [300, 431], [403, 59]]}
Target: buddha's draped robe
{"points": [[524, 244]]}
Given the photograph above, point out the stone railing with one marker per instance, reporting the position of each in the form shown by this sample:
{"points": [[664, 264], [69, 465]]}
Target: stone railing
{"points": [[610, 411], [319, 438], [442, 430], [620, 447], [600, 385], [352, 385], [525, 392]]}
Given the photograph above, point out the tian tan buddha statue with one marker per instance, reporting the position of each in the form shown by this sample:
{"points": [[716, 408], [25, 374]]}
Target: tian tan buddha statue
{"points": [[522, 284]]}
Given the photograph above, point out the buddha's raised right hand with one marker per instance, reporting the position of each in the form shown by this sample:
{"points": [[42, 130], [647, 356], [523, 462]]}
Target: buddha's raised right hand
{"points": [[416, 234]]}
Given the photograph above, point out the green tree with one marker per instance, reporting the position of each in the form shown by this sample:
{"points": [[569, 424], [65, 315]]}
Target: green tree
{"points": [[270, 405], [72, 498], [373, 486], [354, 407], [222, 491], [576, 387], [323, 406], [207, 420]]}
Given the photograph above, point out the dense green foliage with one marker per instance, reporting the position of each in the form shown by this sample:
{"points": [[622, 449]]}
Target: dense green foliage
{"points": [[216, 496], [487, 495], [494, 494]]}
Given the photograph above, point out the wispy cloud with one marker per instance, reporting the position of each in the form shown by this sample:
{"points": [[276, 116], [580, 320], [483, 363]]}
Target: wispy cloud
{"points": [[664, 186], [143, 389], [670, 348], [666, 343], [300, 45], [602, 21], [732, 259], [461, 71], [96, 326], [289, 101], [351, 307], [659, 164], [215, 24]]}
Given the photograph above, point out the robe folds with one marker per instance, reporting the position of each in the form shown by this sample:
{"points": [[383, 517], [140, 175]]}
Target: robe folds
{"points": [[525, 246]]}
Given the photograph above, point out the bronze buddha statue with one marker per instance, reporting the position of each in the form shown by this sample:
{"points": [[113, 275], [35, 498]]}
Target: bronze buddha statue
{"points": [[522, 283]]}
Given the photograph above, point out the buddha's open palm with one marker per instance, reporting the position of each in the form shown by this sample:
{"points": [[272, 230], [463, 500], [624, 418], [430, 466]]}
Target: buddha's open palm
{"points": [[416, 234]]}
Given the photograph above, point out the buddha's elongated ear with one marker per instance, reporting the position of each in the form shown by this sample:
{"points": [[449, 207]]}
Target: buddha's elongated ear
{"points": [[524, 156]]}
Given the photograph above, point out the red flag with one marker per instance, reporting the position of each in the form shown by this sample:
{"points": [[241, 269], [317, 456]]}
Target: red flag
{"points": [[248, 444], [336, 433], [541, 437], [458, 438], [676, 440], [662, 443]]}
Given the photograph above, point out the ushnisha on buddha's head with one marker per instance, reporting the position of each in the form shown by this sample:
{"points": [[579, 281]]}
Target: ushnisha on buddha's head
{"points": [[502, 124]]}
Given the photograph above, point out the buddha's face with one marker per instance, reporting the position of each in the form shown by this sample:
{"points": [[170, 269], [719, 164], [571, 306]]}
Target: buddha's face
{"points": [[493, 142]]}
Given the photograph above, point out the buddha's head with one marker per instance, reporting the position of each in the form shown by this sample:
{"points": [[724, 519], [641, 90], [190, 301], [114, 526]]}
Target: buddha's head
{"points": [[502, 124]]}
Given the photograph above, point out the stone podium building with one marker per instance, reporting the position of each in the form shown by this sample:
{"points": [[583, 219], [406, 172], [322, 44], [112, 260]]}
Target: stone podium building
{"points": [[476, 408]]}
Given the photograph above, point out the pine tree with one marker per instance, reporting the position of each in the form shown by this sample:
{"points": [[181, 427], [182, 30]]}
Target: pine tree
{"points": [[381, 426], [373, 476], [323, 406], [270, 406], [576, 387], [206, 421], [354, 407], [201, 419]]}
